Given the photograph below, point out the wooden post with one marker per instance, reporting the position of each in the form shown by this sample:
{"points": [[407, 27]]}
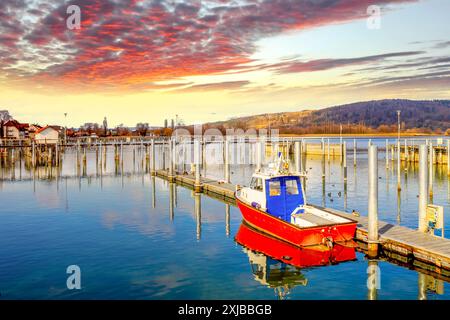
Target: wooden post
{"points": [[344, 158], [431, 164], [387, 154], [328, 142], [423, 185], [197, 160], [258, 154], [448, 157], [226, 153], [373, 202], [399, 184], [297, 157], [354, 152], [171, 176]]}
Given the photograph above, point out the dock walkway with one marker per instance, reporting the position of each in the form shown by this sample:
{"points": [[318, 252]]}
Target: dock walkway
{"points": [[408, 243]]}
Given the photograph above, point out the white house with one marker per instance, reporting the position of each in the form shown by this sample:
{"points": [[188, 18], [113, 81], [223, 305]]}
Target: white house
{"points": [[47, 135]]}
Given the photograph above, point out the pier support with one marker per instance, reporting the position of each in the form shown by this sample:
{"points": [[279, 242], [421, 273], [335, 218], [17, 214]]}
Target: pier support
{"points": [[226, 159], [354, 152], [373, 202], [152, 159], [258, 155], [344, 159], [171, 176], [423, 185], [197, 155], [387, 154], [431, 164], [399, 183]]}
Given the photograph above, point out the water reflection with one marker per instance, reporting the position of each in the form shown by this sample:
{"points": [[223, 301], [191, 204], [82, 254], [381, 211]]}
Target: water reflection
{"points": [[278, 265]]}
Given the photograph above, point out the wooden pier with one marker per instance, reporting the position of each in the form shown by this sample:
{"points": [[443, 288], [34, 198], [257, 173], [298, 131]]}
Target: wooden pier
{"points": [[400, 243]]}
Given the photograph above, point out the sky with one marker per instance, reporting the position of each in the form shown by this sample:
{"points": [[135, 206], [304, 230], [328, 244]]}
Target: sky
{"points": [[145, 61]]}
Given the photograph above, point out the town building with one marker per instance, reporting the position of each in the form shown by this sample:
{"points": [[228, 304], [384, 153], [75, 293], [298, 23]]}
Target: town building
{"points": [[48, 135]]}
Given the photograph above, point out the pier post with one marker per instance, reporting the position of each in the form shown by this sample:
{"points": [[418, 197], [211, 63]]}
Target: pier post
{"points": [[152, 158], [297, 157], [259, 154], [399, 184], [197, 155], [387, 153], [373, 202], [448, 157], [431, 164], [226, 155], [354, 152], [328, 142], [423, 185], [344, 158], [171, 176]]}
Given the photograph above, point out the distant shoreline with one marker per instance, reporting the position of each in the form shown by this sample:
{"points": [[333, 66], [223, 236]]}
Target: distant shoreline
{"points": [[378, 135]]}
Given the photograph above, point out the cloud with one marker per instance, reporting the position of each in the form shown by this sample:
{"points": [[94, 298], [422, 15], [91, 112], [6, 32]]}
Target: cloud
{"points": [[129, 42], [227, 85], [326, 64]]}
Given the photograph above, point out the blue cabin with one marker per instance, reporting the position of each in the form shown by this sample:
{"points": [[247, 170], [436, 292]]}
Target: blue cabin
{"points": [[284, 196]]}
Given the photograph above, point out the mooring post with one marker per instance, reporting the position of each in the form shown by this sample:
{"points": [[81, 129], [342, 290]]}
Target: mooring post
{"points": [[373, 202], [226, 156], [197, 160], [328, 145], [297, 157], [399, 185], [431, 164], [448, 157], [258, 154], [387, 153], [152, 158], [406, 154], [344, 158], [33, 154], [354, 152], [171, 176], [423, 185]]}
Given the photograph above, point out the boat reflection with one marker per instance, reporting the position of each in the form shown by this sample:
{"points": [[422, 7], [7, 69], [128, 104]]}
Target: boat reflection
{"points": [[278, 264]]}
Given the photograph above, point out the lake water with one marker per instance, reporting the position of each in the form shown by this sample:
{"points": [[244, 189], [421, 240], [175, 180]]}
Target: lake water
{"points": [[138, 237]]}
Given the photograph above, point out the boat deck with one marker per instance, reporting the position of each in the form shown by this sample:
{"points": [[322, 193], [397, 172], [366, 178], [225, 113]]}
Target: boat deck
{"points": [[401, 243]]}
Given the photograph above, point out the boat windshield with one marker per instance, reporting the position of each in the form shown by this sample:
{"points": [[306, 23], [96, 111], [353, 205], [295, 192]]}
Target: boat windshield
{"points": [[256, 184]]}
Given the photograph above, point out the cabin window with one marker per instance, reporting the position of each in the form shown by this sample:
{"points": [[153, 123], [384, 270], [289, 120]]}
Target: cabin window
{"points": [[256, 184], [292, 187], [274, 188]]}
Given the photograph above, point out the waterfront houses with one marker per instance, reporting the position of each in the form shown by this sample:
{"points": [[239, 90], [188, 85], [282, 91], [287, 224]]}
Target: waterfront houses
{"points": [[48, 135]]}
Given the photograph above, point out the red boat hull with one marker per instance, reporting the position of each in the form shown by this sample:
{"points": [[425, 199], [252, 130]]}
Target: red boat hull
{"points": [[293, 255], [298, 236]]}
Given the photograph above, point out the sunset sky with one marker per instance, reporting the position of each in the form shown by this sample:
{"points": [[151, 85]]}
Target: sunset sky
{"points": [[145, 61]]}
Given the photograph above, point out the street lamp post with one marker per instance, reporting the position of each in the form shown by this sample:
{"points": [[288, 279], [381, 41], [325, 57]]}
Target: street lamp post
{"points": [[398, 153]]}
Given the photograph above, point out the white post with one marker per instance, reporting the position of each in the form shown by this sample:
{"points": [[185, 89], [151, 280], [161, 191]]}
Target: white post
{"points": [[387, 154], [297, 157], [448, 157], [258, 154], [373, 201], [431, 164], [226, 155], [354, 152], [423, 185], [344, 158], [197, 156]]}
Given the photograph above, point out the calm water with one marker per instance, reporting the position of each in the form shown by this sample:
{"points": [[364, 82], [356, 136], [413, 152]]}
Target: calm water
{"points": [[137, 237]]}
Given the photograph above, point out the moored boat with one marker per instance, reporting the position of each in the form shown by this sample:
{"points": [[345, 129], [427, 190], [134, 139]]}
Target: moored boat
{"points": [[275, 204]]}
